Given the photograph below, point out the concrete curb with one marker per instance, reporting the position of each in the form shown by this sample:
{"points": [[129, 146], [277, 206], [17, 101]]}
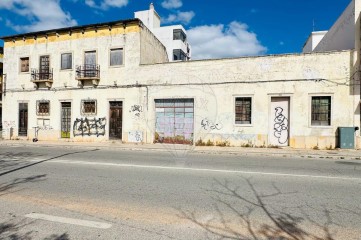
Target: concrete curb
{"points": [[198, 150]]}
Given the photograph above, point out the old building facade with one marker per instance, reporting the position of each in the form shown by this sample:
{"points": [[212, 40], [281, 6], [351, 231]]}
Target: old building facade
{"points": [[113, 81]]}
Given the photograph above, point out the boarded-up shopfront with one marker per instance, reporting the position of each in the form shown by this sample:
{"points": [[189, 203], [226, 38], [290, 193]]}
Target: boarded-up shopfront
{"points": [[174, 121]]}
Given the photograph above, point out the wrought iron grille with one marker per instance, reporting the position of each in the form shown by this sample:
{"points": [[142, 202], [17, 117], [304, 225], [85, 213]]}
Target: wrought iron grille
{"points": [[243, 110], [88, 107], [43, 108], [88, 71], [38, 75], [321, 111]]}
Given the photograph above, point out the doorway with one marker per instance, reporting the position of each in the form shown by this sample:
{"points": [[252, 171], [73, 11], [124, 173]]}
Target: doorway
{"points": [[23, 119], [115, 120], [65, 119], [279, 121]]}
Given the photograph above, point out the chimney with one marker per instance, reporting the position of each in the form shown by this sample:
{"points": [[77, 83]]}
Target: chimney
{"points": [[151, 7]]}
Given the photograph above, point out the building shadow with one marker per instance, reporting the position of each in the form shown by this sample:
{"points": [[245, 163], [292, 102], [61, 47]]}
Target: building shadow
{"points": [[249, 214]]}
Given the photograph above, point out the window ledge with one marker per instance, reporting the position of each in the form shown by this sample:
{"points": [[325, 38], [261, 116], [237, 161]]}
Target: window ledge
{"points": [[242, 125], [322, 127], [116, 66]]}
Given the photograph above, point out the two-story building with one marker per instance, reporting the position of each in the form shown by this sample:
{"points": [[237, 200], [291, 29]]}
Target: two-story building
{"points": [[113, 81]]}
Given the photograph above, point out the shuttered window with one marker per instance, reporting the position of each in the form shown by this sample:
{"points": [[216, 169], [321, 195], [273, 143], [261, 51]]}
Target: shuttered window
{"points": [[66, 61], [24, 64], [90, 58], [116, 57], [243, 110]]}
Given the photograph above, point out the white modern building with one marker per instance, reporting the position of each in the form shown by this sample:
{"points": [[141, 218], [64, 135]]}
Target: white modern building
{"points": [[174, 37], [341, 36]]}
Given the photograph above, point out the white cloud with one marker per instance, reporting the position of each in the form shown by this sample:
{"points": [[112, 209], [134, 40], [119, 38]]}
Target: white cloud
{"points": [[179, 17], [219, 41], [106, 4], [172, 4], [42, 14]]}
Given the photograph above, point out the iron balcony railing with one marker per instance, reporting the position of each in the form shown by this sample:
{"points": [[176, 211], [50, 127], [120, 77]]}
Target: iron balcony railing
{"points": [[41, 75], [88, 71]]}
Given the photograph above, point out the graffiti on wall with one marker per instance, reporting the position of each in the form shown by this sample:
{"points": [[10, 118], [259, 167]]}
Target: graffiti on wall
{"points": [[89, 127], [45, 127], [136, 110], [209, 125], [135, 136], [280, 126]]}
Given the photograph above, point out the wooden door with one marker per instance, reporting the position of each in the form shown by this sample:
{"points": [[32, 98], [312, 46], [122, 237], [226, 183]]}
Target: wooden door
{"points": [[44, 67], [90, 61], [115, 120], [23, 119], [65, 119]]}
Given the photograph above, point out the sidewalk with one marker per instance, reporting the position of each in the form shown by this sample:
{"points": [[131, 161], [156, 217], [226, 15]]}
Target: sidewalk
{"points": [[185, 149]]}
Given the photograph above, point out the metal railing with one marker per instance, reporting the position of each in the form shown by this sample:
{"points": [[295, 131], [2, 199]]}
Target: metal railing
{"points": [[41, 75], [88, 71]]}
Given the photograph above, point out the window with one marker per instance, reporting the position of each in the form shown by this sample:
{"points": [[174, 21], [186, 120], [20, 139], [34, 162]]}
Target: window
{"points": [[178, 34], [116, 57], [66, 61], [43, 108], [243, 110], [24, 64], [88, 107], [321, 111], [178, 54]]}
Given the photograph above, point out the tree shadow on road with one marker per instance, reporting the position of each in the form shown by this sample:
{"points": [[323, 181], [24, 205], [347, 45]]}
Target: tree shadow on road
{"points": [[10, 187], [9, 160], [13, 229], [250, 215], [25, 156]]}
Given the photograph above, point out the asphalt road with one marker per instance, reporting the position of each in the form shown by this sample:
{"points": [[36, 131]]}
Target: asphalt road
{"points": [[88, 193]]}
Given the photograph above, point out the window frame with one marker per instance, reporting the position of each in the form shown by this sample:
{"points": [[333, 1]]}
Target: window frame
{"points": [[183, 35], [72, 61], [82, 107], [330, 125], [180, 51], [235, 114], [109, 58], [91, 50], [20, 63], [38, 103]]}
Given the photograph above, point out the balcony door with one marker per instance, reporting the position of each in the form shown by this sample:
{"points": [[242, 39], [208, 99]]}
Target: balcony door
{"points": [[44, 67], [90, 63]]}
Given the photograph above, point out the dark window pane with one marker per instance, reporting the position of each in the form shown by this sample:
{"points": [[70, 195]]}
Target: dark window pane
{"points": [[24, 64], [321, 111], [243, 110]]}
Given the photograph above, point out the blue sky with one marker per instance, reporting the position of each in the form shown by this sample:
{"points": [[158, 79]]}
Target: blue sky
{"points": [[216, 28]]}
